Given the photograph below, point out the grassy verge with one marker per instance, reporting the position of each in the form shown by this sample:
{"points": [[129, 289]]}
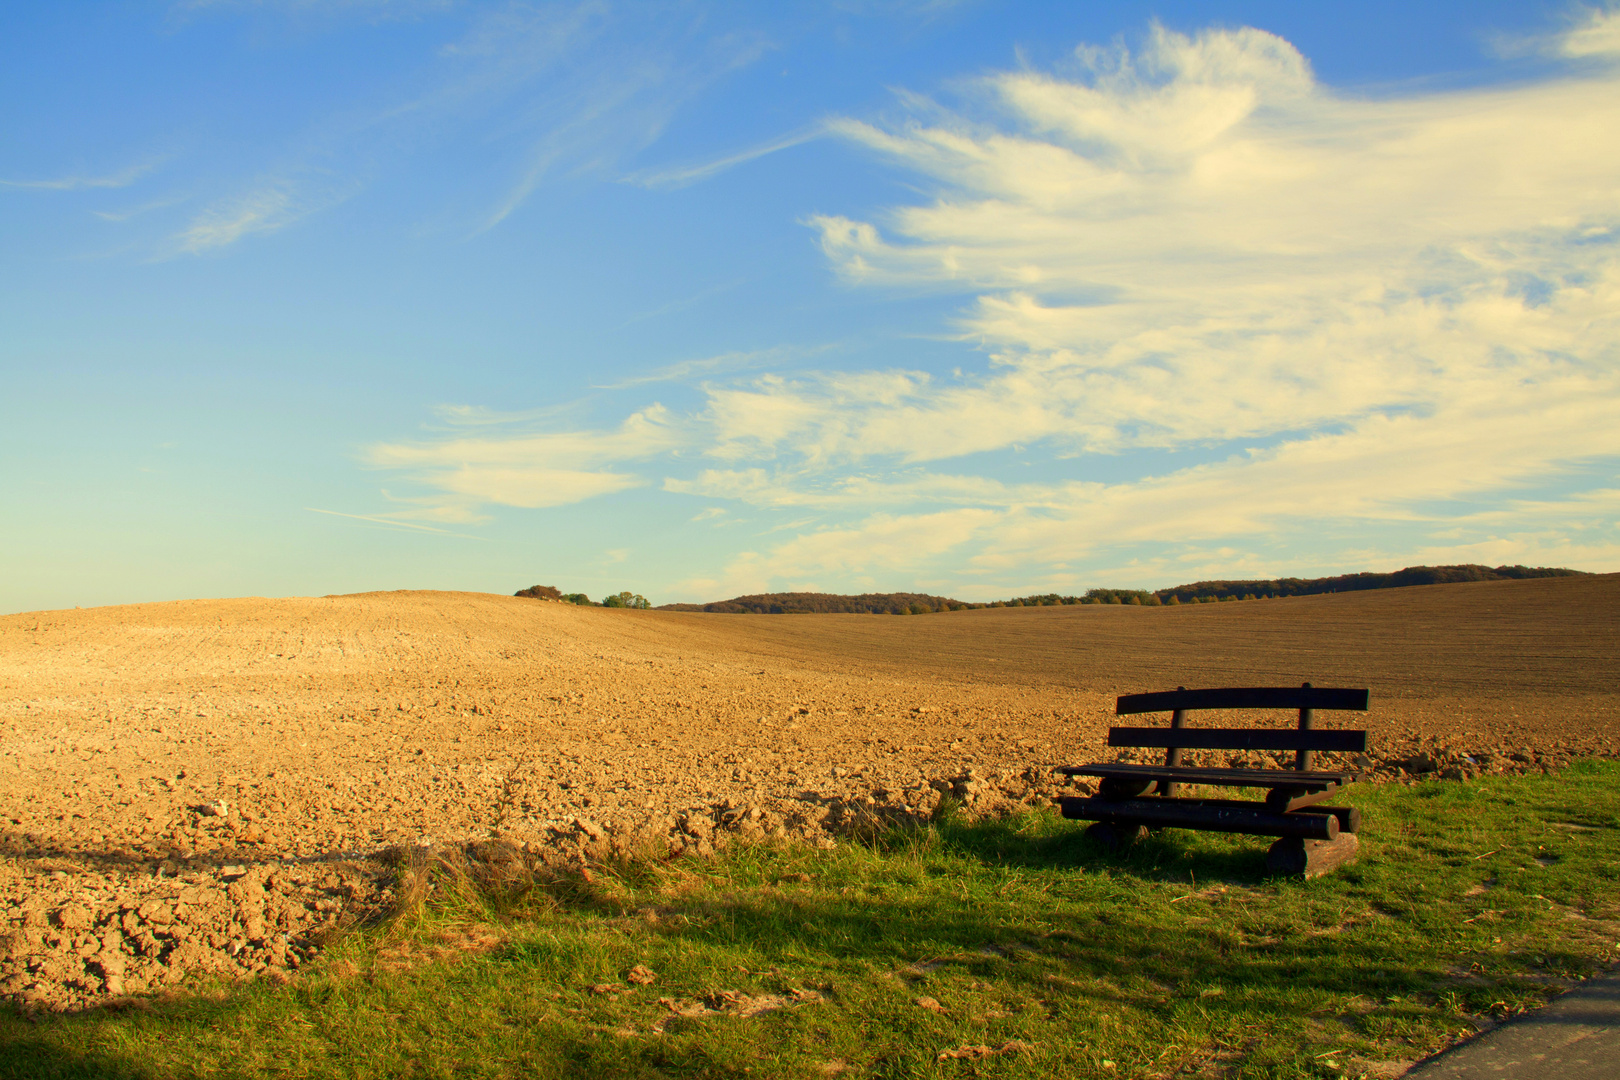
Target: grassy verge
{"points": [[1009, 948]]}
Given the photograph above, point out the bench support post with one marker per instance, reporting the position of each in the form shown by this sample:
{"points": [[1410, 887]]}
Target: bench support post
{"points": [[1293, 857], [1116, 836], [1172, 756], [1302, 758]]}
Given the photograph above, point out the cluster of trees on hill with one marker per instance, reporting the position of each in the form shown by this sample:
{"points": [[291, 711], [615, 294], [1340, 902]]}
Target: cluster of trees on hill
{"points": [[1199, 592], [625, 599], [1206, 591]]}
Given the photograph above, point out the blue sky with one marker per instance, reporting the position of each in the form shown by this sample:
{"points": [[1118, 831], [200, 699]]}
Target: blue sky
{"points": [[977, 299]]}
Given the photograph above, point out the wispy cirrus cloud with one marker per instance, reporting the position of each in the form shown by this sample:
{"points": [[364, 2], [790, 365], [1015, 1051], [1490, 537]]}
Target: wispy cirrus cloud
{"points": [[394, 522], [677, 176], [140, 210], [120, 179], [589, 84], [706, 367], [264, 209], [332, 11], [474, 416], [548, 90]]}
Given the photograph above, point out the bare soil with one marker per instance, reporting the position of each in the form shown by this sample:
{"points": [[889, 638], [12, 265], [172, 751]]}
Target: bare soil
{"points": [[214, 786]]}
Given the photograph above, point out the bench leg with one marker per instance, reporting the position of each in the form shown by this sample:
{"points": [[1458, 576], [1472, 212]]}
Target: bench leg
{"points": [[1116, 836], [1293, 857]]}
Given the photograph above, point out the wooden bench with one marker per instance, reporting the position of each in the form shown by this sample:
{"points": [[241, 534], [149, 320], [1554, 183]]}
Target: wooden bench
{"points": [[1313, 838]]}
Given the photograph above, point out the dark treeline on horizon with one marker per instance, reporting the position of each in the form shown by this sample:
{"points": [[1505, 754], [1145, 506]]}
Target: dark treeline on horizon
{"points": [[1411, 575], [799, 603], [1198, 592]]}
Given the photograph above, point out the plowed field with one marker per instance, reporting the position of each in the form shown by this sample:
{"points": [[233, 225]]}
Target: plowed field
{"points": [[217, 738]]}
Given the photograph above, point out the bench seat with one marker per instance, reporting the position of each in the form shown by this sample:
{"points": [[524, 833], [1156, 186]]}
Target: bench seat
{"points": [[1193, 774], [1218, 815]]}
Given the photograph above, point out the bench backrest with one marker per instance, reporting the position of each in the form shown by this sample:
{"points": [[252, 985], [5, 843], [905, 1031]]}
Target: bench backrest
{"points": [[1245, 697], [1302, 739]]}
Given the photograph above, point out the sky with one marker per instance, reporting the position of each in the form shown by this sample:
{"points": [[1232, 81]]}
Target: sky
{"points": [[301, 297]]}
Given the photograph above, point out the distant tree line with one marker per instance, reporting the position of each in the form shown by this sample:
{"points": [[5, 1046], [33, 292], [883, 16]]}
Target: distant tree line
{"points": [[625, 599], [1199, 592], [801, 603], [1203, 592]]}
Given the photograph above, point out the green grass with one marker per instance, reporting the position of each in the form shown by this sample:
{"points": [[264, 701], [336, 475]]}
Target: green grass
{"points": [[1180, 955]]}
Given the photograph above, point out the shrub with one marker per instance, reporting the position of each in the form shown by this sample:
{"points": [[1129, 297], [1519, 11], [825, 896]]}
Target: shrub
{"points": [[577, 598], [540, 592], [627, 599]]}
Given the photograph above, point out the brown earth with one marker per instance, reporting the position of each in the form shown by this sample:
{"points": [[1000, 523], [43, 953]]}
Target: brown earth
{"points": [[212, 786]]}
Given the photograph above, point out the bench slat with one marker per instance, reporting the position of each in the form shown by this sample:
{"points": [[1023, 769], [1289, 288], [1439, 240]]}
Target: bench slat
{"points": [[1245, 697], [1239, 739], [1212, 815], [1257, 778]]}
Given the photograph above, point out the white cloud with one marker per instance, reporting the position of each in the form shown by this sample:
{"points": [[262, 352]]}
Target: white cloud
{"points": [[807, 488], [1591, 34], [1251, 254], [531, 486], [1539, 548], [534, 468], [1371, 315], [880, 543], [1399, 469], [1599, 35]]}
